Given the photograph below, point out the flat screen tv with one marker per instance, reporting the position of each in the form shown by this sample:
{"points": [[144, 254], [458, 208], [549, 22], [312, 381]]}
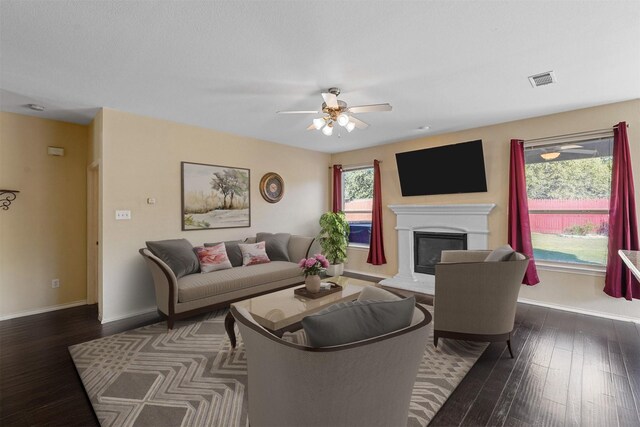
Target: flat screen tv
{"points": [[450, 169]]}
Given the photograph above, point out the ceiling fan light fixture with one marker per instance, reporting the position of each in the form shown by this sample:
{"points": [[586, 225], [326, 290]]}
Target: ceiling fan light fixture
{"points": [[318, 123], [328, 129], [550, 156], [343, 119], [350, 126]]}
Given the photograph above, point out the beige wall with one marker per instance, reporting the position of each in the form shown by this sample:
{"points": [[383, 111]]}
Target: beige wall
{"points": [[570, 290], [43, 234], [141, 158]]}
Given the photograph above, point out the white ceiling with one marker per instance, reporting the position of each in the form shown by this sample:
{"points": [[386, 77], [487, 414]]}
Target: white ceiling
{"points": [[230, 65]]}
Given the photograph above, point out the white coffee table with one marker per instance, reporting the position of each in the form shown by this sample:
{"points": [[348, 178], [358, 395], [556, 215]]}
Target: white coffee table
{"points": [[282, 311]]}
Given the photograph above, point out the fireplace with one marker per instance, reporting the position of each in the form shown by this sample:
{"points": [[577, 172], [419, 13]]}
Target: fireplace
{"points": [[416, 227], [428, 248]]}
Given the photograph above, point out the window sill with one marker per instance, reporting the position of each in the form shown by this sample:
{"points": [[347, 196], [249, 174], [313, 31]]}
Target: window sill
{"points": [[359, 246], [570, 268]]}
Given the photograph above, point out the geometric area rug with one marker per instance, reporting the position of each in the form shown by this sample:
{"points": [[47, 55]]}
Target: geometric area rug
{"points": [[190, 377]]}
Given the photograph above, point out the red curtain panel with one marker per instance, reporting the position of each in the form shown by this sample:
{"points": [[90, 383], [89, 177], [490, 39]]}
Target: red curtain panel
{"points": [[519, 228], [337, 188], [376, 246], [623, 223]]}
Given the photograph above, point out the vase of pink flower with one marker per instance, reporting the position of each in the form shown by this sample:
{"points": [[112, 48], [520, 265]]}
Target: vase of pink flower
{"points": [[312, 267]]}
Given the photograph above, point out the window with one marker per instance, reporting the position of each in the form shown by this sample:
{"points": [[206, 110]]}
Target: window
{"points": [[357, 202], [568, 187]]}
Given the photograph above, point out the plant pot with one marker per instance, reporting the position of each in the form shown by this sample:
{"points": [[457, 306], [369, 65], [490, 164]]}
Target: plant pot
{"points": [[312, 283], [335, 270]]}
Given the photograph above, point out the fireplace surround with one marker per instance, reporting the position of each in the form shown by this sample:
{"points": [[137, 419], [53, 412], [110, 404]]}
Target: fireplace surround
{"points": [[471, 220]]}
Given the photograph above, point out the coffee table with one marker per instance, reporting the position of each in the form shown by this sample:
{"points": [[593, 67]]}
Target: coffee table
{"points": [[282, 311]]}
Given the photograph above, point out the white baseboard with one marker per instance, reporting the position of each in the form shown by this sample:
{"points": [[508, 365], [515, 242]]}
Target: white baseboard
{"points": [[127, 315], [44, 309], [580, 310]]}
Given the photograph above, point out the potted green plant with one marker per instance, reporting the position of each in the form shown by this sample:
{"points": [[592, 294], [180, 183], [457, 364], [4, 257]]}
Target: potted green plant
{"points": [[333, 240]]}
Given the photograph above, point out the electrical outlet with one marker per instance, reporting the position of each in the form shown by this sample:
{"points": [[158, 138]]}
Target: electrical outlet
{"points": [[123, 215], [55, 283]]}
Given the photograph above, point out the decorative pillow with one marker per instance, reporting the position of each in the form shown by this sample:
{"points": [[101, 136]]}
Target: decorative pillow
{"points": [[233, 251], [213, 258], [253, 253], [353, 321], [177, 254], [503, 253], [277, 245]]}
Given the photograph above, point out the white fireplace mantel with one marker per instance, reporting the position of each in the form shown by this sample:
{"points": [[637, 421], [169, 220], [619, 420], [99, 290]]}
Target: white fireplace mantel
{"points": [[472, 219]]}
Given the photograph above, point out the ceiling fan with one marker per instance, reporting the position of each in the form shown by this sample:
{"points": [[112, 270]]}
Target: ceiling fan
{"points": [[336, 111], [554, 153]]}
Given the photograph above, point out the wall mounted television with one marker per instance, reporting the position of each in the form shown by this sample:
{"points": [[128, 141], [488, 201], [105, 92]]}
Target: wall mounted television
{"points": [[449, 169]]}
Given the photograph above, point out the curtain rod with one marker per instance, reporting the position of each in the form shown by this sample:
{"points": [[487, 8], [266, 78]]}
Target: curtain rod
{"points": [[575, 134], [360, 165]]}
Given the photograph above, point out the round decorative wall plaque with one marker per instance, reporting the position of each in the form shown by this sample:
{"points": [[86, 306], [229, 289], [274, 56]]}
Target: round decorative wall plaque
{"points": [[272, 187]]}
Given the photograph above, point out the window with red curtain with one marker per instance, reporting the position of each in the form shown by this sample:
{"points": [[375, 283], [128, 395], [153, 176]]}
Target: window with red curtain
{"points": [[568, 188], [357, 203]]}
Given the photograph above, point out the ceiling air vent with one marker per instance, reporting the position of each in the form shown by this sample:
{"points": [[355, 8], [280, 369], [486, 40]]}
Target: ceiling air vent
{"points": [[542, 79]]}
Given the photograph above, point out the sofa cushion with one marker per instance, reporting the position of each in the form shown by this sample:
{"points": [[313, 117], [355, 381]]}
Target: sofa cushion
{"points": [[212, 258], [503, 253], [233, 251], [178, 254], [253, 253], [276, 245], [299, 247], [353, 321], [197, 286]]}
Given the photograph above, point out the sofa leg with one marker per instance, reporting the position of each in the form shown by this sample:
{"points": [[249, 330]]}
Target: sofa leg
{"points": [[170, 323], [509, 347], [435, 340]]}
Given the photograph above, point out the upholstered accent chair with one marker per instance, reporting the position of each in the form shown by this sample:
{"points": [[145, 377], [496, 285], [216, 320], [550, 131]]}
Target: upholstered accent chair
{"points": [[365, 383], [476, 300]]}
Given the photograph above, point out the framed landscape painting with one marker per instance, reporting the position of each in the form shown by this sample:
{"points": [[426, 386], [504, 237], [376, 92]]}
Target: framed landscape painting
{"points": [[214, 197]]}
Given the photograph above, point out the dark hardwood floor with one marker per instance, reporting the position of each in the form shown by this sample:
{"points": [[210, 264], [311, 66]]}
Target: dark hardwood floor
{"points": [[39, 384], [569, 369]]}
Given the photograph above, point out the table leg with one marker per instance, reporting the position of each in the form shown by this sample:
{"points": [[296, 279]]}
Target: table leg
{"points": [[229, 323]]}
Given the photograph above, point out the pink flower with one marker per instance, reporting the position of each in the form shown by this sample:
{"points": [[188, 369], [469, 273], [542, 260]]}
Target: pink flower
{"points": [[324, 263], [302, 262], [310, 262]]}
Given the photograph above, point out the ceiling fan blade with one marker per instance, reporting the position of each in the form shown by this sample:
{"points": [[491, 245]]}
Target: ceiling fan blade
{"points": [[359, 123], [330, 99], [369, 108], [579, 151], [311, 127], [298, 112]]}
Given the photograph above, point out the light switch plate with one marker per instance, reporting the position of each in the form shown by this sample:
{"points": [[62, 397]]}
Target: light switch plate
{"points": [[123, 215]]}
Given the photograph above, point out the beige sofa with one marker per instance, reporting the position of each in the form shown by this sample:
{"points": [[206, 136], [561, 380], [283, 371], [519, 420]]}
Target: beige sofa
{"points": [[192, 294]]}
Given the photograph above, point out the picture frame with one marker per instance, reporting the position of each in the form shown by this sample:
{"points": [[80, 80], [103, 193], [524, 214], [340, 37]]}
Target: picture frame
{"points": [[272, 187], [214, 196]]}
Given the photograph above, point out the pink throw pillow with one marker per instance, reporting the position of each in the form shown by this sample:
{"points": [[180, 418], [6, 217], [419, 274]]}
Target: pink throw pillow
{"points": [[254, 253], [213, 258]]}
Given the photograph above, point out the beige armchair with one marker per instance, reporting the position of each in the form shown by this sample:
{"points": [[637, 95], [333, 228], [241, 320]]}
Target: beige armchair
{"points": [[476, 300], [366, 383]]}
